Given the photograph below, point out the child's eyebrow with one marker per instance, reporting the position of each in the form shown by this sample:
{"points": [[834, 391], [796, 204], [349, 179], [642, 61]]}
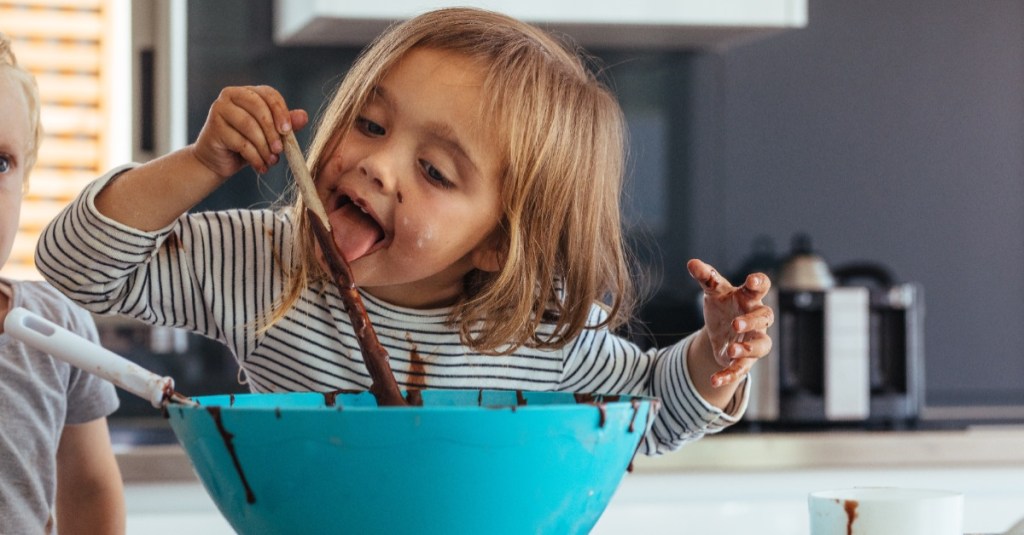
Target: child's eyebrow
{"points": [[443, 134], [439, 132]]}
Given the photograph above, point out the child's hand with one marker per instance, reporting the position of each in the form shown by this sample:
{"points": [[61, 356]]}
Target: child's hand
{"points": [[736, 321], [244, 126]]}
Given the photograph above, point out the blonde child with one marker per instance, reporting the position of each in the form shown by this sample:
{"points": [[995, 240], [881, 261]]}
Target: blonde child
{"points": [[471, 166], [54, 445]]}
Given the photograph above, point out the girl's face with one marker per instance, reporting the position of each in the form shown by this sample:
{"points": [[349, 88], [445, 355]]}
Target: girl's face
{"points": [[412, 189], [15, 137]]}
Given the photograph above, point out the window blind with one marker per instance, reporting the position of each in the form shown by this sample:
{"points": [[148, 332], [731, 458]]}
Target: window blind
{"points": [[62, 43]]}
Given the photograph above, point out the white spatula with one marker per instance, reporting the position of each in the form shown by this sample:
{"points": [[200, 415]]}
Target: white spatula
{"points": [[48, 337]]}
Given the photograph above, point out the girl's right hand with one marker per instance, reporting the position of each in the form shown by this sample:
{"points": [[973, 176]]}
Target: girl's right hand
{"points": [[245, 126]]}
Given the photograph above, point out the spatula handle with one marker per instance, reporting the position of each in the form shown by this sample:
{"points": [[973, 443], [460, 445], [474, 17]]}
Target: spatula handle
{"points": [[50, 338]]}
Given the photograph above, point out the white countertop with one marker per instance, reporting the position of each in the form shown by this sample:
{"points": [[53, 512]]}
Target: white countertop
{"points": [[743, 452], [698, 503], [978, 446], [732, 483]]}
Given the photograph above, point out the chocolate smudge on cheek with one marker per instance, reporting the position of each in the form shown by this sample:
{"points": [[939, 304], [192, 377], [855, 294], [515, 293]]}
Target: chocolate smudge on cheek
{"points": [[229, 444]]}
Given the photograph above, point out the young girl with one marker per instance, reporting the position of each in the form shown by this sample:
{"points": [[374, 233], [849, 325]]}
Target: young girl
{"points": [[471, 168], [54, 445]]}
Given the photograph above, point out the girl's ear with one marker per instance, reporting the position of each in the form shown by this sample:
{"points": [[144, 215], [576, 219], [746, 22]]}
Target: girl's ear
{"points": [[489, 255]]}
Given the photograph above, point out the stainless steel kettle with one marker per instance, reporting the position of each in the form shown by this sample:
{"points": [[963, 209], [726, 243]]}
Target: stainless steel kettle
{"points": [[804, 269]]}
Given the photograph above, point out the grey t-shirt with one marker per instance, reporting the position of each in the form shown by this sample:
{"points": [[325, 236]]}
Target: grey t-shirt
{"points": [[39, 395]]}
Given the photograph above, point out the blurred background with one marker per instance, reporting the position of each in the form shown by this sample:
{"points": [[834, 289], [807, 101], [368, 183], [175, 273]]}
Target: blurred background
{"points": [[889, 133], [879, 143]]}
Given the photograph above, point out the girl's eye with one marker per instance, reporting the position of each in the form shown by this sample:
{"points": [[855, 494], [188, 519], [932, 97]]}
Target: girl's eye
{"points": [[369, 127], [435, 175], [5, 164]]}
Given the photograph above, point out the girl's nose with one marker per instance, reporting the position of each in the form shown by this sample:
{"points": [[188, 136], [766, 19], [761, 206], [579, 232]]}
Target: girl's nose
{"points": [[378, 168]]}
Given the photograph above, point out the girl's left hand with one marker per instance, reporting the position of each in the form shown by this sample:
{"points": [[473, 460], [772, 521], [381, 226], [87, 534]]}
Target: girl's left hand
{"points": [[736, 320]]}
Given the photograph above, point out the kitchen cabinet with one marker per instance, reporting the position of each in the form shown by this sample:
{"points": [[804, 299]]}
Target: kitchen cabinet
{"points": [[601, 23]]}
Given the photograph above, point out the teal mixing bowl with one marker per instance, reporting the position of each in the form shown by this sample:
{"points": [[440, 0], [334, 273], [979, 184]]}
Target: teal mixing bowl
{"points": [[467, 461]]}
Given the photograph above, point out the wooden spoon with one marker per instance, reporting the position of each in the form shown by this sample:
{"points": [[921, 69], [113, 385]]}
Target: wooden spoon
{"points": [[383, 385]]}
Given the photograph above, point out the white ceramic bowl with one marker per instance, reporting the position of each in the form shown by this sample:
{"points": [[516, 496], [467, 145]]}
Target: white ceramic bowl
{"points": [[886, 511]]}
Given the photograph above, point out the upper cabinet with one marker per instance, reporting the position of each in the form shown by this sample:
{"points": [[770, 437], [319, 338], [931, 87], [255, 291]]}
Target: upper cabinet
{"points": [[593, 24]]}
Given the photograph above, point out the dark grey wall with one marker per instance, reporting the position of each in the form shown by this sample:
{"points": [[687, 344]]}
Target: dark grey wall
{"points": [[889, 130]]}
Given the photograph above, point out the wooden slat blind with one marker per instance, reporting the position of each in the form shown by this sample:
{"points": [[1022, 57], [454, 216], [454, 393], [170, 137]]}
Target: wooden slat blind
{"points": [[62, 43]]}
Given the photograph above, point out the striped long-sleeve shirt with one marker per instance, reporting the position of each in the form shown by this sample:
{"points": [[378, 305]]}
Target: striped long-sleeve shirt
{"points": [[219, 274]]}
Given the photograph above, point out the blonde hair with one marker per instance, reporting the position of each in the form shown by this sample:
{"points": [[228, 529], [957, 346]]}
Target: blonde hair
{"points": [[9, 66], [562, 134]]}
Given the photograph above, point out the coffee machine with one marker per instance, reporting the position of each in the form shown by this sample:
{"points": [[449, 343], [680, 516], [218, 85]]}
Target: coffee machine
{"points": [[847, 347]]}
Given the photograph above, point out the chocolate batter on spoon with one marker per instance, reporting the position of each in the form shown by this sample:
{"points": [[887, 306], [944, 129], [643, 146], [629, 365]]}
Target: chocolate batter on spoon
{"points": [[383, 385]]}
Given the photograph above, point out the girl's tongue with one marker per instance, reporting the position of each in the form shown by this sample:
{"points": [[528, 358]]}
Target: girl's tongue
{"points": [[354, 231]]}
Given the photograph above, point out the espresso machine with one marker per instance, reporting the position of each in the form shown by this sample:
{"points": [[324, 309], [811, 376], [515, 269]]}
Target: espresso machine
{"points": [[847, 347]]}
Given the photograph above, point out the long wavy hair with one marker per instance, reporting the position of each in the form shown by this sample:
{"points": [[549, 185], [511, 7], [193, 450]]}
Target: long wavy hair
{"points": [[562, 137]]}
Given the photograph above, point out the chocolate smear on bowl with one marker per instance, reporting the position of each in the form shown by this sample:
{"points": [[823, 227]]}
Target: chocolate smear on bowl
{"points": [[597, 401], [850, 506], [520, 398], [331, 398], [636, 409], [414, 397], [230, 445], [651, 409], [383, 385]]}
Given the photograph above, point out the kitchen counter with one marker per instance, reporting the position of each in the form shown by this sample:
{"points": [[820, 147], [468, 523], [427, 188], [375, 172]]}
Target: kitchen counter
{"points": [[734, 482], [978, 446], [970, 447]]}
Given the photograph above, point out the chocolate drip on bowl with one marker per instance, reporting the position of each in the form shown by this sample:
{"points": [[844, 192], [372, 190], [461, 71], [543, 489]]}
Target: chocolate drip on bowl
{"points": [[229, 444]]}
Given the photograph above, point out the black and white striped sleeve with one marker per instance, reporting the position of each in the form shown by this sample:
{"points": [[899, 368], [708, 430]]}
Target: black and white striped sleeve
{"points": [[601, 362], [210, 273]]}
